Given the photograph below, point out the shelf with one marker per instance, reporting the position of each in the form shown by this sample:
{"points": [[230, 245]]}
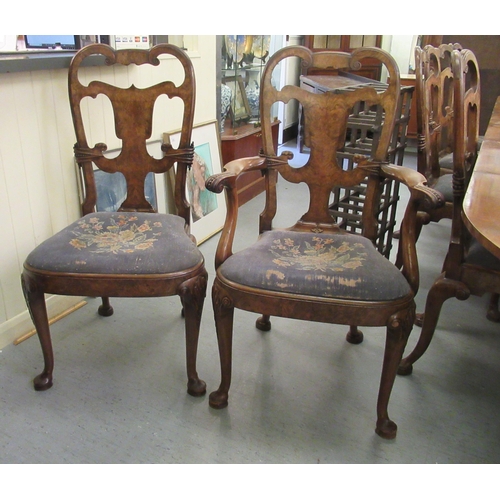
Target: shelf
{"points": [[15, 62]]}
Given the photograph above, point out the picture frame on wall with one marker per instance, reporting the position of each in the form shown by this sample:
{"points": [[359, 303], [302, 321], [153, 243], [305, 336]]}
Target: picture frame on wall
{"points": [[112, 190], [208, 210]]}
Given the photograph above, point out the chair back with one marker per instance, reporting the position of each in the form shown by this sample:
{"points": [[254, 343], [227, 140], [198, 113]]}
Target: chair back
{"points": [[133, 111], [326, 118], [467, 110], [467, 95], [434, 93]]}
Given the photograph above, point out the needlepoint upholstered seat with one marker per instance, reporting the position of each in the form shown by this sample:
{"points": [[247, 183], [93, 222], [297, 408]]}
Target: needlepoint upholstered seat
{"points": [[131, 251], [315, 270]]}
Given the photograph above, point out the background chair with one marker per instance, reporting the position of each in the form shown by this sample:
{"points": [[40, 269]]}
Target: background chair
{"points": [[436, 138], [131, 252], [435, 121], [315, 270], [468, 267]]}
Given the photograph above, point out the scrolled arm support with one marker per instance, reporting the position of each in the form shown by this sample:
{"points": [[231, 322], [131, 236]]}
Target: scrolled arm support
{"points": [[226, 181], [216, 183], [431, 198], [416, 183], [420, 195]]}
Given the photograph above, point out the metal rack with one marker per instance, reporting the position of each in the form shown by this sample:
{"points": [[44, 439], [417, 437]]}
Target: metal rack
{"points": [[362, 138]]}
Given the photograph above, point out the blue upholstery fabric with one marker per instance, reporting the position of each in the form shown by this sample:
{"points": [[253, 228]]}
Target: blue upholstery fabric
{"points": [[444, 185], [446, 161], [345, 266], [118, 243], [479, 256]]}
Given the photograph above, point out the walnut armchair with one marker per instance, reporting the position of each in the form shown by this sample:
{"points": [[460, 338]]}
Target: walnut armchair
{"points": [[133, 251], [468, 269], [314, 270]]}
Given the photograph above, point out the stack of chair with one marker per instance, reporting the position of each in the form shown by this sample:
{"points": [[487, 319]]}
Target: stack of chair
{"points": [[469, 269], [434, 98], [435, 124], [436, 120]]}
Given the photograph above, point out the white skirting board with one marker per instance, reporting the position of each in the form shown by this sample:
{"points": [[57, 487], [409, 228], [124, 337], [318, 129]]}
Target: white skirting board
{"points": [[21, 324]]}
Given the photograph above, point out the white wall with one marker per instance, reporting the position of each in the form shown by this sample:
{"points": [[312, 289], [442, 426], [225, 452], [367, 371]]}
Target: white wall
{"points": [[38, 181], [402, 48]]}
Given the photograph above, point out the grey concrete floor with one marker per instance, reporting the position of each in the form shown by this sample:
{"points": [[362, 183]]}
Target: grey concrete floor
{"points": [[300, 393]]}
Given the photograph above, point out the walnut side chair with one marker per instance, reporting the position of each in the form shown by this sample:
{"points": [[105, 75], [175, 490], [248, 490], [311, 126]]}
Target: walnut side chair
{"points": [[133, 251], [314, 270]]}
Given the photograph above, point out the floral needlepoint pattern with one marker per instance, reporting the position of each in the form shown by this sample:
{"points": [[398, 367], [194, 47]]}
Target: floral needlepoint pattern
{"points": [[326, 265], [120, 234], [320, 255]]}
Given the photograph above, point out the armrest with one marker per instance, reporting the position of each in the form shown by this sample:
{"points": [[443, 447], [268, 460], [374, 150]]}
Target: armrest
{"points": [[421, 195], [226, 181], [243, 165], [416, 183]]}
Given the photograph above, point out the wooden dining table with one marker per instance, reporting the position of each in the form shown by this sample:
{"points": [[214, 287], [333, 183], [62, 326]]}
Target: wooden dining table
{"points": [[481, 207]]}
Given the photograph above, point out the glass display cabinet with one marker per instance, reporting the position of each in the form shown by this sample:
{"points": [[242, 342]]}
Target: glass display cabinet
{"points": [[242, 62]]}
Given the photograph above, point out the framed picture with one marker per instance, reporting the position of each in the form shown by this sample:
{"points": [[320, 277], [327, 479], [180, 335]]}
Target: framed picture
{"points": [[208, 210], [240, 107], [112, 190]]}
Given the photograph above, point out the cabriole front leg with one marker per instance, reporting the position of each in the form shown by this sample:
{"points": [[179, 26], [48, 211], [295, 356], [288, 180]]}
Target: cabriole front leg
{"points": [[224, 315], [398, 331], [192, 293], [35, 300]]}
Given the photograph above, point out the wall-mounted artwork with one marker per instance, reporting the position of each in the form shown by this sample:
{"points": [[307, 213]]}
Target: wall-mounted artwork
{"points": [[111, 189], [208, 210]]}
